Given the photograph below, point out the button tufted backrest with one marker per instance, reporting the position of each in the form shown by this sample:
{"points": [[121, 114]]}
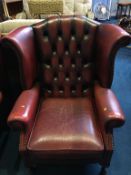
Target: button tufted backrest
{"points": [[65, 46]]}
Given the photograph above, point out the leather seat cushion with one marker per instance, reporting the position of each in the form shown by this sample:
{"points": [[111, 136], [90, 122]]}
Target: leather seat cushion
{"points": [[65, 126]]}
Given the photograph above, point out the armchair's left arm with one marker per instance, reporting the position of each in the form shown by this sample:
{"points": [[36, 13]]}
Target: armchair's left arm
{"points": [[109, 39], [108, 108], [23, 113]]}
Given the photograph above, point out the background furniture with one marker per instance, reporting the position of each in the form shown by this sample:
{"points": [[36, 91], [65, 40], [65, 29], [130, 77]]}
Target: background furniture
{"points": [[102, 10], [64, 7], [125, 23], [67, 85], [12, 7], [9, 25], [123, 9], [45, 7], [1, 12]]}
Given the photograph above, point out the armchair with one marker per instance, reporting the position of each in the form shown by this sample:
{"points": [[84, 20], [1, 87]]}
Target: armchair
{"points": [[67, 110]]}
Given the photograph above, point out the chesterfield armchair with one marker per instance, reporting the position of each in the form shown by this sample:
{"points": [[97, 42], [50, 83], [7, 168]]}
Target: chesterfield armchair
{"points": [[66, 110]]}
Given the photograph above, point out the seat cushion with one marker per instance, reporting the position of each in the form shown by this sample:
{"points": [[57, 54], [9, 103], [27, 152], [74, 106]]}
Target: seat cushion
{"points": [[66, 126]]}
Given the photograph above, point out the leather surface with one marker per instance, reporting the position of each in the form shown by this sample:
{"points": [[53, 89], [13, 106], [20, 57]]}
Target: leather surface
{"points": [[108, 107], [66, 56], [24, 110], [21, 45], [66, 125]]}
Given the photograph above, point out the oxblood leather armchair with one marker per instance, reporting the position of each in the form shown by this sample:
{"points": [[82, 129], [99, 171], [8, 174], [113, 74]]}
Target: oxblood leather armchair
{"points": [[66, 110]]}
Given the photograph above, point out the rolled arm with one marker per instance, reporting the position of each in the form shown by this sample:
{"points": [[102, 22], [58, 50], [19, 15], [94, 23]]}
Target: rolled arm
{"points": [[24, 110], [109, 39], [108, 108]]}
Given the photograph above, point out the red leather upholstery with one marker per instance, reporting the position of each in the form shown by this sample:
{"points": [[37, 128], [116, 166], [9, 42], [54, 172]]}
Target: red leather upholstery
{"points": [[76, 109], [74, 128], [68, 68], [109, 110], [23, 48], [24, 109]]}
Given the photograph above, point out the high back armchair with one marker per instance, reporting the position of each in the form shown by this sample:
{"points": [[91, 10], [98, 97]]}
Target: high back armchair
{"points": [[66, 111]]}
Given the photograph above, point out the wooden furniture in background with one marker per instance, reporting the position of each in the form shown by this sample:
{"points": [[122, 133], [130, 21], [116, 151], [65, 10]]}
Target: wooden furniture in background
{"points": [[12, 7], [1, 11], [123, 9]]}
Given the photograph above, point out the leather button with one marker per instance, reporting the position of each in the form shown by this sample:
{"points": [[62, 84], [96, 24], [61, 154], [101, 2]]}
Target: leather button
{"points": [[60, 65], [54, 53], [73, 65], [55, 78], [79, 78], [67, 79], [67, 53]]}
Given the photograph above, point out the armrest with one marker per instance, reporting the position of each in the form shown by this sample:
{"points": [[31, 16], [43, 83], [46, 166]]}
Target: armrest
{"points": [[109, 39], [24, 110], [108, 108]]}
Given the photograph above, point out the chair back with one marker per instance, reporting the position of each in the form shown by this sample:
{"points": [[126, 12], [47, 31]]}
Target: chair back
{"points": [[65, 46]]}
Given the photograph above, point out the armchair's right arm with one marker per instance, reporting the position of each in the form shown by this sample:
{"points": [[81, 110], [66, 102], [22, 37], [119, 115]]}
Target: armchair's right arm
{"points": [[23, 113]]}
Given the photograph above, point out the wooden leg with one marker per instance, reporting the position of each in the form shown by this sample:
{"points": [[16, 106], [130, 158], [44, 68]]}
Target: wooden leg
{"points": [[103, 171], [117, 13]]}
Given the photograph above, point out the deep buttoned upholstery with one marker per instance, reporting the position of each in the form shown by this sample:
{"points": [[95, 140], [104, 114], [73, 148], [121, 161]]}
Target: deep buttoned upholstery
{"points": [[67, 66]]}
